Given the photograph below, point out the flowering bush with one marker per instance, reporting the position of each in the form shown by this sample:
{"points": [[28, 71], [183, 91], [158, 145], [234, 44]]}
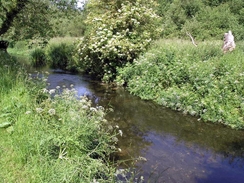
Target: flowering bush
{"points": [[116, 35]]}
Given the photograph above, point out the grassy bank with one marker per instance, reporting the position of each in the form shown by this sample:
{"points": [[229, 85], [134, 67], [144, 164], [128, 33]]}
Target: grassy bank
{"points": [[49, 140], [57, 54], [200, 81]]}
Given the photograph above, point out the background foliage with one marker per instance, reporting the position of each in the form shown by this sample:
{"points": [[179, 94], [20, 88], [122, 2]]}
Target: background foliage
{"points": [[204, 19]]}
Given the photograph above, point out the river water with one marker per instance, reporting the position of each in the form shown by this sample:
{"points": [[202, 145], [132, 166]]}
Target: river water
{"points": [[167, 145]]}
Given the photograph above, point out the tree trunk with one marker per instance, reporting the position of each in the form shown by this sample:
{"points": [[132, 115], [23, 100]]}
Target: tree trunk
{"points": [[10, 15], [3, 45]]}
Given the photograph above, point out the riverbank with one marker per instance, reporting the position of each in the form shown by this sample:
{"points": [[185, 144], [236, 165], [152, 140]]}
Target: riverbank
{"points": [[50, 139], [200, 81]]}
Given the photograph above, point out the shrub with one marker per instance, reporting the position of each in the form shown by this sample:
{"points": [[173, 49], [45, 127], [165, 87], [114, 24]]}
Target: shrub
{"points": [[38, 58], [60, 56], [118, 31], [200, 81]]}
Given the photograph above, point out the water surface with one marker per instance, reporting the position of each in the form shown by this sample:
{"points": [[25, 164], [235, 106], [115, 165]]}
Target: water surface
{"points": [[169, 146]]}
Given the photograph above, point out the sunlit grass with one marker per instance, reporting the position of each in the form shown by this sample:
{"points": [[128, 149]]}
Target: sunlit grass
{"points": [[44, 139], [58, 40]]}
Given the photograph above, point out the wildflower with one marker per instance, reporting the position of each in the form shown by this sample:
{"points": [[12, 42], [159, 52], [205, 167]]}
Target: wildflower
{"points": [[119, 150], [93, 109], [84, 107], [112, 147], [39, 110], [121, 133], [115, 139], [57, 87], [52, 112], [52, 91], [44, 90], [110, 127], [27, 112]]}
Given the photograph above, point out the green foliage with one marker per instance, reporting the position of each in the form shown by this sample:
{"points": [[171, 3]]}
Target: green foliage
{"points": [[205, 20], [200, 81], [34, 19], [219, 22], [10, 72], [60, 56], [50, 139], [117, 33], [38, 58], [72, 26]]}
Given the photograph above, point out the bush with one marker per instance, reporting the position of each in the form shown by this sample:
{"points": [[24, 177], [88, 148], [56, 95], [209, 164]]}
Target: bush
{"points": [[60, 56], [200, 81], [38, 58], [116, 35]]}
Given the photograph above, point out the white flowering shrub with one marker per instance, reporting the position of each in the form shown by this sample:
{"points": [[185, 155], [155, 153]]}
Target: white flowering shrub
{"points": [[117, 32]]}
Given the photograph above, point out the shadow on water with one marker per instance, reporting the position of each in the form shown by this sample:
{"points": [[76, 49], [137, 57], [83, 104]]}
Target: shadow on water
{"points": [[169, 147]]}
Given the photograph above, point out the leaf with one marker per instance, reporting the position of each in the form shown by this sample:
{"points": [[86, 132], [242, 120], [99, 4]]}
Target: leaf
{"points": [[5, 124]]}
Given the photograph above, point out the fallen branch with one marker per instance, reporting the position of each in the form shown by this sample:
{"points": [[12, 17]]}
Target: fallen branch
{"points": [[192, 40]]}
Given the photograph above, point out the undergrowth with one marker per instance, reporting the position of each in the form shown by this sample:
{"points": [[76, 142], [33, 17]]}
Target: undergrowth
{"points": [[50, 138], [200, 81]]}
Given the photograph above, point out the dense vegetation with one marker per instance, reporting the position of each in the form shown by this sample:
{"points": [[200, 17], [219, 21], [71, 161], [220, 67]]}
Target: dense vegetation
{"points": [[200, 81], [46, 139], [204, 19], [117, 32], [56, 139]]}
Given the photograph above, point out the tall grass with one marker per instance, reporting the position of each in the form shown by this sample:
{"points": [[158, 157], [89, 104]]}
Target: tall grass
{"points": [[200, 81], [44, 139], [38, 58], [61, 56]]}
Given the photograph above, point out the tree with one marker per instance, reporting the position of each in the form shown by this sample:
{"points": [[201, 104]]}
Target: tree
{"points": [[28, 19], [117, 32]]}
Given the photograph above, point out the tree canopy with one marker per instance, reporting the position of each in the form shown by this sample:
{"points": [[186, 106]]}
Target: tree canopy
{"points": [[117, 32], [28, 19], [205, 19]]}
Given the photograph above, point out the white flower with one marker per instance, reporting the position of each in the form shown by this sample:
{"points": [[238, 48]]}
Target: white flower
{"points": [[121, 133], [51, 91], [44, 90], [39, 110], [52, 111], [93, 109], [27, 112]]}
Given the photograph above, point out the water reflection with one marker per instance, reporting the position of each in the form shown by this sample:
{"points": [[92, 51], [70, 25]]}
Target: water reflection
{"points": [[178, 148]]}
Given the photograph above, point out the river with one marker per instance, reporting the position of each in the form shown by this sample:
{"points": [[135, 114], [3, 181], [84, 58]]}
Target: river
{"points": [[167, 145]]}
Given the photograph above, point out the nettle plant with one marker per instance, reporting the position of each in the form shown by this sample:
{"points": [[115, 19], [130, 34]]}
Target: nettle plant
{"points": [[117, 33]]}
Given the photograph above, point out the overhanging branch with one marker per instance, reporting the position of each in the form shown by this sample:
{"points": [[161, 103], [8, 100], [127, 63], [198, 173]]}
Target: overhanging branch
{"points": [[11, 15]]}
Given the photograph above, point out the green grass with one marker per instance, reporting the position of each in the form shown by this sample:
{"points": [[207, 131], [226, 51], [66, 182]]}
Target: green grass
{"points": [[200, 81], [67, 39], [44, 139]]}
